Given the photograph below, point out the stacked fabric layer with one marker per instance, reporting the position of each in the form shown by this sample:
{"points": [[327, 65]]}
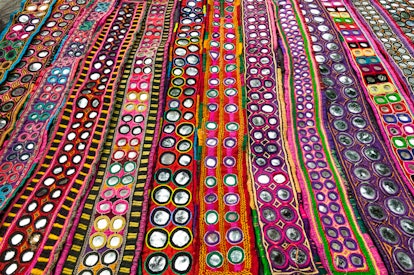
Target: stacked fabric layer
{"points": [[207, 137]]}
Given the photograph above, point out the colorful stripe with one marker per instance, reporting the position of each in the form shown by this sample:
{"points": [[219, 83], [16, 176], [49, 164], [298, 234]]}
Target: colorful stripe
{"points": [[184, 137], [386, 95], [226, 232], [274, 185], [358, 148], [34, 228], [400, 14], [25, 25], [395, 46], [19, 83], [28, 139], [169, 242], [327, 203], [119, 194]]}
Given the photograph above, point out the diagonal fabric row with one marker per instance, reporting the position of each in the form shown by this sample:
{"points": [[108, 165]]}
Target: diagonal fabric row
{"points": [[207, 137]]}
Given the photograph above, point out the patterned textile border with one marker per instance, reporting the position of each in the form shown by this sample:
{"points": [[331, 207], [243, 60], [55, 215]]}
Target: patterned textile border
{"points": [[34, 228], [390, 43], [358, 145], [320, 177], [24, 26], [21, 152], [18, 85], [274, 187], [169, 243], [400, 15], [120, 189], [386, 96], [226, 232], [67, 261]]}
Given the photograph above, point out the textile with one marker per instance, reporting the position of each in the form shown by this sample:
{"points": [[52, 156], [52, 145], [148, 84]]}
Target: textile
{"points": [[207, 137], [364, 146], [269, 158], [63, 173], [110, 227], [169, 239], [29, 136], [15, 39], [17, 86], [225, 235]]}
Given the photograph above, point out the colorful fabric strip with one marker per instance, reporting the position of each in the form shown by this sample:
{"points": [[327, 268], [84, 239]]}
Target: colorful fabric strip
{"points": [[372, 175], [18, 85], [402, 56], [327, 204], [34, 228], [400, 14], [274, 185], [169, 242], [18, 36], [225, 235], [211, 137], [21, 152], [112, 229], [393, 111]]}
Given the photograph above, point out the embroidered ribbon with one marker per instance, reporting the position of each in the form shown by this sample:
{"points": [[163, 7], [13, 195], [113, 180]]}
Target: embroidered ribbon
{"points": [[280, 219], [34, 228], [24, 26], [169, 242], [18, 85], [396, 47], [400, 14], [358, 143], [328, 205], [112, 224], [386, 96], [225, 235], [21, 152]]}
